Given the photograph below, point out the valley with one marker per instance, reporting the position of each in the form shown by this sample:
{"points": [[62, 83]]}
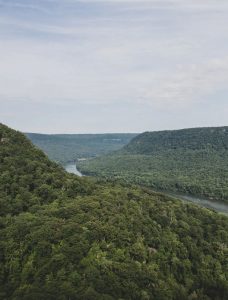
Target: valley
{"points": [[68, 237], [219, 206], [113, 150], [64, 148], [190, 162]]}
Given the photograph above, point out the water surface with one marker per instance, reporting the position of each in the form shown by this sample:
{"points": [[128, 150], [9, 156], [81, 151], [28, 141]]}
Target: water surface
{"points": [[219, 206], [72, 168]]}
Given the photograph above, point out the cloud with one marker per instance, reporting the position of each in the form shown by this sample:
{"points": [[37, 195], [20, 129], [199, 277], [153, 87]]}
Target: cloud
{"points": [[188, 86], [166, 55]]}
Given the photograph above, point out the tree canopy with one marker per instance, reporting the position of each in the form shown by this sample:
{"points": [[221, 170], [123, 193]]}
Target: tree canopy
{"points": [[190, 161], [65, 237]]}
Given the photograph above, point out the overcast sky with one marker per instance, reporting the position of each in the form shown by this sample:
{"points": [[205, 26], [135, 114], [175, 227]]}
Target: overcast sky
{"points": [[70, 66]]}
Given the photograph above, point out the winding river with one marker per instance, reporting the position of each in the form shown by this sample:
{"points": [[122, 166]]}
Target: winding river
{"points": [[72, 168], [219, 206]]}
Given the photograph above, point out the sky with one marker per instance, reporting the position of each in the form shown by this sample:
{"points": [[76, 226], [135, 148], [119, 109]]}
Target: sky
{"points": [[95, 66]]}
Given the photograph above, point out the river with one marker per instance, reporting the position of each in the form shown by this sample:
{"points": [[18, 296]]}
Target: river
{"points": [[72, 168], [219, 206]]}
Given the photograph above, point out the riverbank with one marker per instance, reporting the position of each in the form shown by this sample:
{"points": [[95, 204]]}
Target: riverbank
{"points": [[218, 206]]}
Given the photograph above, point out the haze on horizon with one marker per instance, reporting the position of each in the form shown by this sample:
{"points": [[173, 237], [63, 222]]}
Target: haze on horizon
{"points": [[93, 66]]}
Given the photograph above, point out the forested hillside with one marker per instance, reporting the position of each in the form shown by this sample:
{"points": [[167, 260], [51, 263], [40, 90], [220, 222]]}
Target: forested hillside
{"points": [[191, 161], [65, 237], [187, 139], [65, 148]]}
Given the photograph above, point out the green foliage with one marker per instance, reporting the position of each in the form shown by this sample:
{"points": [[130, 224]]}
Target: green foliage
{"points": [[191, 161], [64, 237], [214, 138], [65, 148], [27, 176]]}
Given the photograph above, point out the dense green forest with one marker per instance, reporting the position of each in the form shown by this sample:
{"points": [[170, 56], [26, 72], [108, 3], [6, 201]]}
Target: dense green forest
{"points": [[190, 161], [65, 237], [65, 148]]}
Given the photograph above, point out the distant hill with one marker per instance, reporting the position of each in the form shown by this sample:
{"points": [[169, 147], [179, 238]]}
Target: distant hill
{"points": [[65, 148], [192, 161], [64, 237], [195, 139]]}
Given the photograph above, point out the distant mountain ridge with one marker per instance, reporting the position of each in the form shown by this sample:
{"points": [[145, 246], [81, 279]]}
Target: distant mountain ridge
{"points": [[191, 161], [195, 139], [65, 148]]}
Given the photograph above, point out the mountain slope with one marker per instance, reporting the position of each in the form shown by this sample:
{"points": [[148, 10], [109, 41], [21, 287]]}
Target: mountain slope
{"points": [[65, 148], [214, 138], [62, 237], [27, 176], [192, 161]]}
